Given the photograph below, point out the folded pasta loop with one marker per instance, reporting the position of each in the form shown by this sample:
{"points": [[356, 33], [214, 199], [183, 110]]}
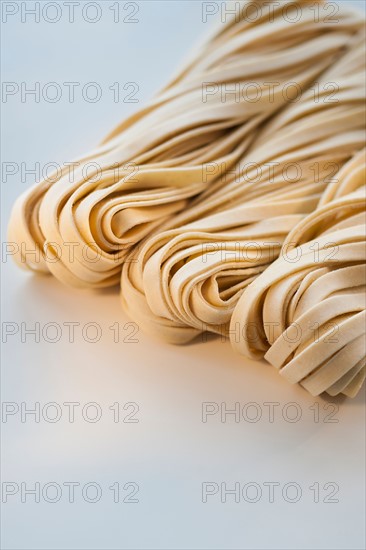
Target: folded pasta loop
{"points": [[308, 307]]}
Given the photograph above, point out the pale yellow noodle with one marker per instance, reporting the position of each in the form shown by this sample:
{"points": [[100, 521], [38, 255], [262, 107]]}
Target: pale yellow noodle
{"points": [[306, 313]]}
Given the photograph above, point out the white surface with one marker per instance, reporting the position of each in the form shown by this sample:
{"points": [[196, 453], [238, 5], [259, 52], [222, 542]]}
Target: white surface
{"points": [[170, 452]]}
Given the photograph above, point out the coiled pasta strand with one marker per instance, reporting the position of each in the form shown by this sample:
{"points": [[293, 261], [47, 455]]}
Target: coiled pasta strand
{"points": [[307, 316]]}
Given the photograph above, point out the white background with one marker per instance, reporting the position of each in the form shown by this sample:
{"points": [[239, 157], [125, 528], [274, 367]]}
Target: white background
{"points": [[170, 452]]}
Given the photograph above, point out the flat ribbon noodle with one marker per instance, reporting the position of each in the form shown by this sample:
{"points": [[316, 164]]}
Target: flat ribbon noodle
{"points": [[309, 314]]}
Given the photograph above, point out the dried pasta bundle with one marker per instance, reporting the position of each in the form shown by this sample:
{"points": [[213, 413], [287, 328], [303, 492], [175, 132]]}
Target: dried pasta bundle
{"points": [[306, 313], [222, 210], [146, 171], [189, 278]]}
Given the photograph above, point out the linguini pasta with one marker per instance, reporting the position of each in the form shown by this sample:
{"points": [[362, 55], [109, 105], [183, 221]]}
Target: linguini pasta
{"points": [[309, 310], [145, 172]]}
